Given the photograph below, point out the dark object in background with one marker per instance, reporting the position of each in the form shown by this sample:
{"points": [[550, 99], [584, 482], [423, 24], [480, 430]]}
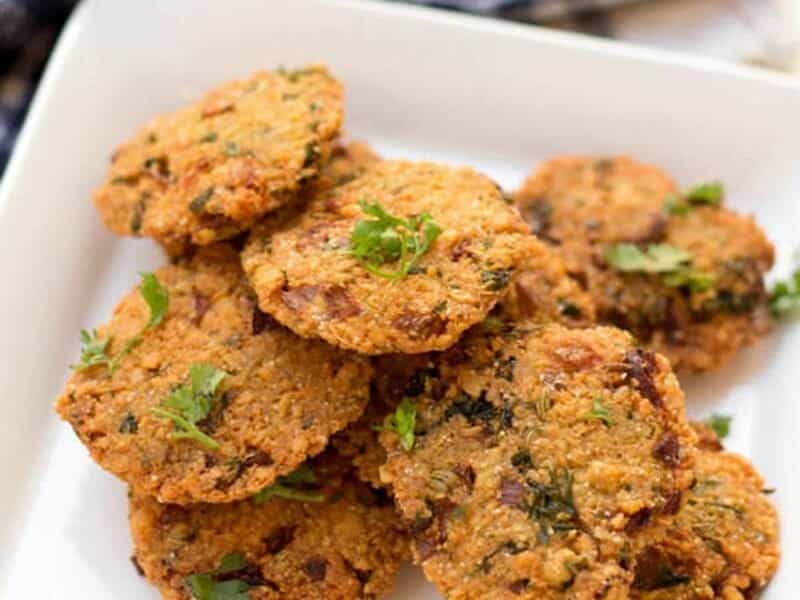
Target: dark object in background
{"points": [[28, 29], [530, 11]]}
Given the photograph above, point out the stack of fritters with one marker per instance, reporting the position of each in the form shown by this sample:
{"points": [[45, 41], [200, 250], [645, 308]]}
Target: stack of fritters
{"points": [[349, 361]]}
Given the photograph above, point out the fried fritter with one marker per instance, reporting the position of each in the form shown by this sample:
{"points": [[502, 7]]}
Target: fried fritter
{"points": [[582, 206], [723, 543], [280, 399], [306, 278], [349, 546], [210, 170], [540, 292], [542, 455]]}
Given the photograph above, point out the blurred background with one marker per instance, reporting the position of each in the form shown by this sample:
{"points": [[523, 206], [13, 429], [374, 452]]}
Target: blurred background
{"points": [[762, 33]]}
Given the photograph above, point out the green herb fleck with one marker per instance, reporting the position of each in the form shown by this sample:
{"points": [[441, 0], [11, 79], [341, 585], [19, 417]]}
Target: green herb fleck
{"points": [[553, 506], [542, 405], [736, 509], [496, 280], [207, 586], [129, 424], [670, 262], [699, 487], [231, 149], [721, 424], [294, 486], [522, 461], [312, 154], [784, 300], [209, 138], [189, 404], [402, 422], [388, 239], [568, 309], [138, 215], [710, 194], [199, 202], [157, 298], [600, 412]]}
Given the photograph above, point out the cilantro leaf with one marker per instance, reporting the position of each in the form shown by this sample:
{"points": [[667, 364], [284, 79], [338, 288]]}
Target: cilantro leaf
{"points": [[659, 258], [675, 206], [389, 239], [93, 351], [235, 561], [670, 262], [294, 486], [189, 404], [402, 422], [156, 296], [600, 412], [206, 586], [721, 424], [784, 300], [710, 194], [694, 279]]}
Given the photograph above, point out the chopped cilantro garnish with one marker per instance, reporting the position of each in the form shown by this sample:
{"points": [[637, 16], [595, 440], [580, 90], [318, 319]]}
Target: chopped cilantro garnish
{"points": [[784, 300], [209, 137], [402, 422], [710, 194], [94, 350], [157, 298], [600, 412], [294, 486], [388, 239], [721, 424], [206, 586], [189, 404], [670, 262], [676, 206]]}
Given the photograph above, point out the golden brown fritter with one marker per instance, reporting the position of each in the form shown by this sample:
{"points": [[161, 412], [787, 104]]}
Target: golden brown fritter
{"points": [[581, 206], [305, 278], [723, 543], [282, 397], [210, 170], [540, 292], [542, 456], [349, 546]]}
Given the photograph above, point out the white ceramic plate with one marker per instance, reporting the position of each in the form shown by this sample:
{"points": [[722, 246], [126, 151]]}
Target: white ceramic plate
{"points": [[419, 84]]}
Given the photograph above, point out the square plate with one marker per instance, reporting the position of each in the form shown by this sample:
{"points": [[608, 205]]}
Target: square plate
{"points": [[419, 83]]}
